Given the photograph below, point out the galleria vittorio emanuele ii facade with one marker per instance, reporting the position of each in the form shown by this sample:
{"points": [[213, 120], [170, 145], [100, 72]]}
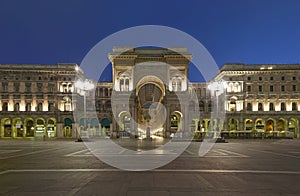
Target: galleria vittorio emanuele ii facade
{"points": [[39, 100]]}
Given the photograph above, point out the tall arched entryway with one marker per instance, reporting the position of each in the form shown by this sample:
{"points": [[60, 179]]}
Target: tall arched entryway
{"points": [[40, 127], [29, 127], [151, 114], [105, 125], [124, 121], [260, 125], [233, 124], [293, 128], [281, 127], [94, 127], [248, 124], [67, 130], [176, 122], [270, 128], [18, 130], [51, 127], [6, 127]]}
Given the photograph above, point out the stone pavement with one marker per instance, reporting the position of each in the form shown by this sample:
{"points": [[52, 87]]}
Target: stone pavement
{"points": [[240, 167]]}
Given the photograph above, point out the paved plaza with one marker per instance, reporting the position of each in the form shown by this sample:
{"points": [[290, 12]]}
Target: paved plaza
{"points": [[66, 167]]}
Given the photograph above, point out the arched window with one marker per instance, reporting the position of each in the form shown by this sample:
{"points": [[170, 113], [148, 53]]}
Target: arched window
{"points": [[67, 104], [28, 107], [260, 107], [127, 84], [236, 87], [271, 106], [39, 107], [70, 88], [232, 106], [65, 88], [176, 84], [17, 107], [121, 84], [124, 84], [51, 107], [282, 106], [230, 87]]}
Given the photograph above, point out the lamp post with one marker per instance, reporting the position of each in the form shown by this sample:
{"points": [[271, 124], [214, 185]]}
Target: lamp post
{"points": [[218, 87], [84, 85]]}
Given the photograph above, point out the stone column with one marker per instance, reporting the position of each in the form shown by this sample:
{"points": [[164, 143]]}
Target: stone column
{"points": [[59, 130], [1, 130], [74, 130]]}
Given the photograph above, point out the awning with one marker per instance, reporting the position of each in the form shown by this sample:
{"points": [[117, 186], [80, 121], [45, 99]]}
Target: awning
{"points": [[68, 122], [81, 122], [105, 122], [95, 122]]}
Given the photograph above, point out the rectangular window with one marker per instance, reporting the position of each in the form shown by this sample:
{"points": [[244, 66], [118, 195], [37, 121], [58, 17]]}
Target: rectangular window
{"points": [[294, 88], [259, 78], [294, 78], [28, 87], [249, 88], [271, 107], [16, 87], [271, 88], [5, 87], [294, 106], [282, 88], [271, 78], [249, 78], [282, 77], [260, 88]]}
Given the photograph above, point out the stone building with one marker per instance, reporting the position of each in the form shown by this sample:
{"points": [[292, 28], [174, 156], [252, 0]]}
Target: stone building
{"points": [[150, 95]]}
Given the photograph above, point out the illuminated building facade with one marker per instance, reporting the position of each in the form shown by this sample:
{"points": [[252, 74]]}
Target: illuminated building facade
{"points": [[260, 100]]}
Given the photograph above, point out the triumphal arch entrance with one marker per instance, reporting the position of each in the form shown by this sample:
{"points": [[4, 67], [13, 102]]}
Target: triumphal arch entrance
{"points": [[150, 95]]}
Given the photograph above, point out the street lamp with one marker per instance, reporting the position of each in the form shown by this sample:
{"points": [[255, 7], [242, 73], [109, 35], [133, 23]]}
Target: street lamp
{"points": [[84, 85], [218, 87]]}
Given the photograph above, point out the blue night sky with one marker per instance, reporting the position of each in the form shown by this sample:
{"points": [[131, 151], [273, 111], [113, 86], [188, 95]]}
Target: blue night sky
{"points": [[56, 31]]}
